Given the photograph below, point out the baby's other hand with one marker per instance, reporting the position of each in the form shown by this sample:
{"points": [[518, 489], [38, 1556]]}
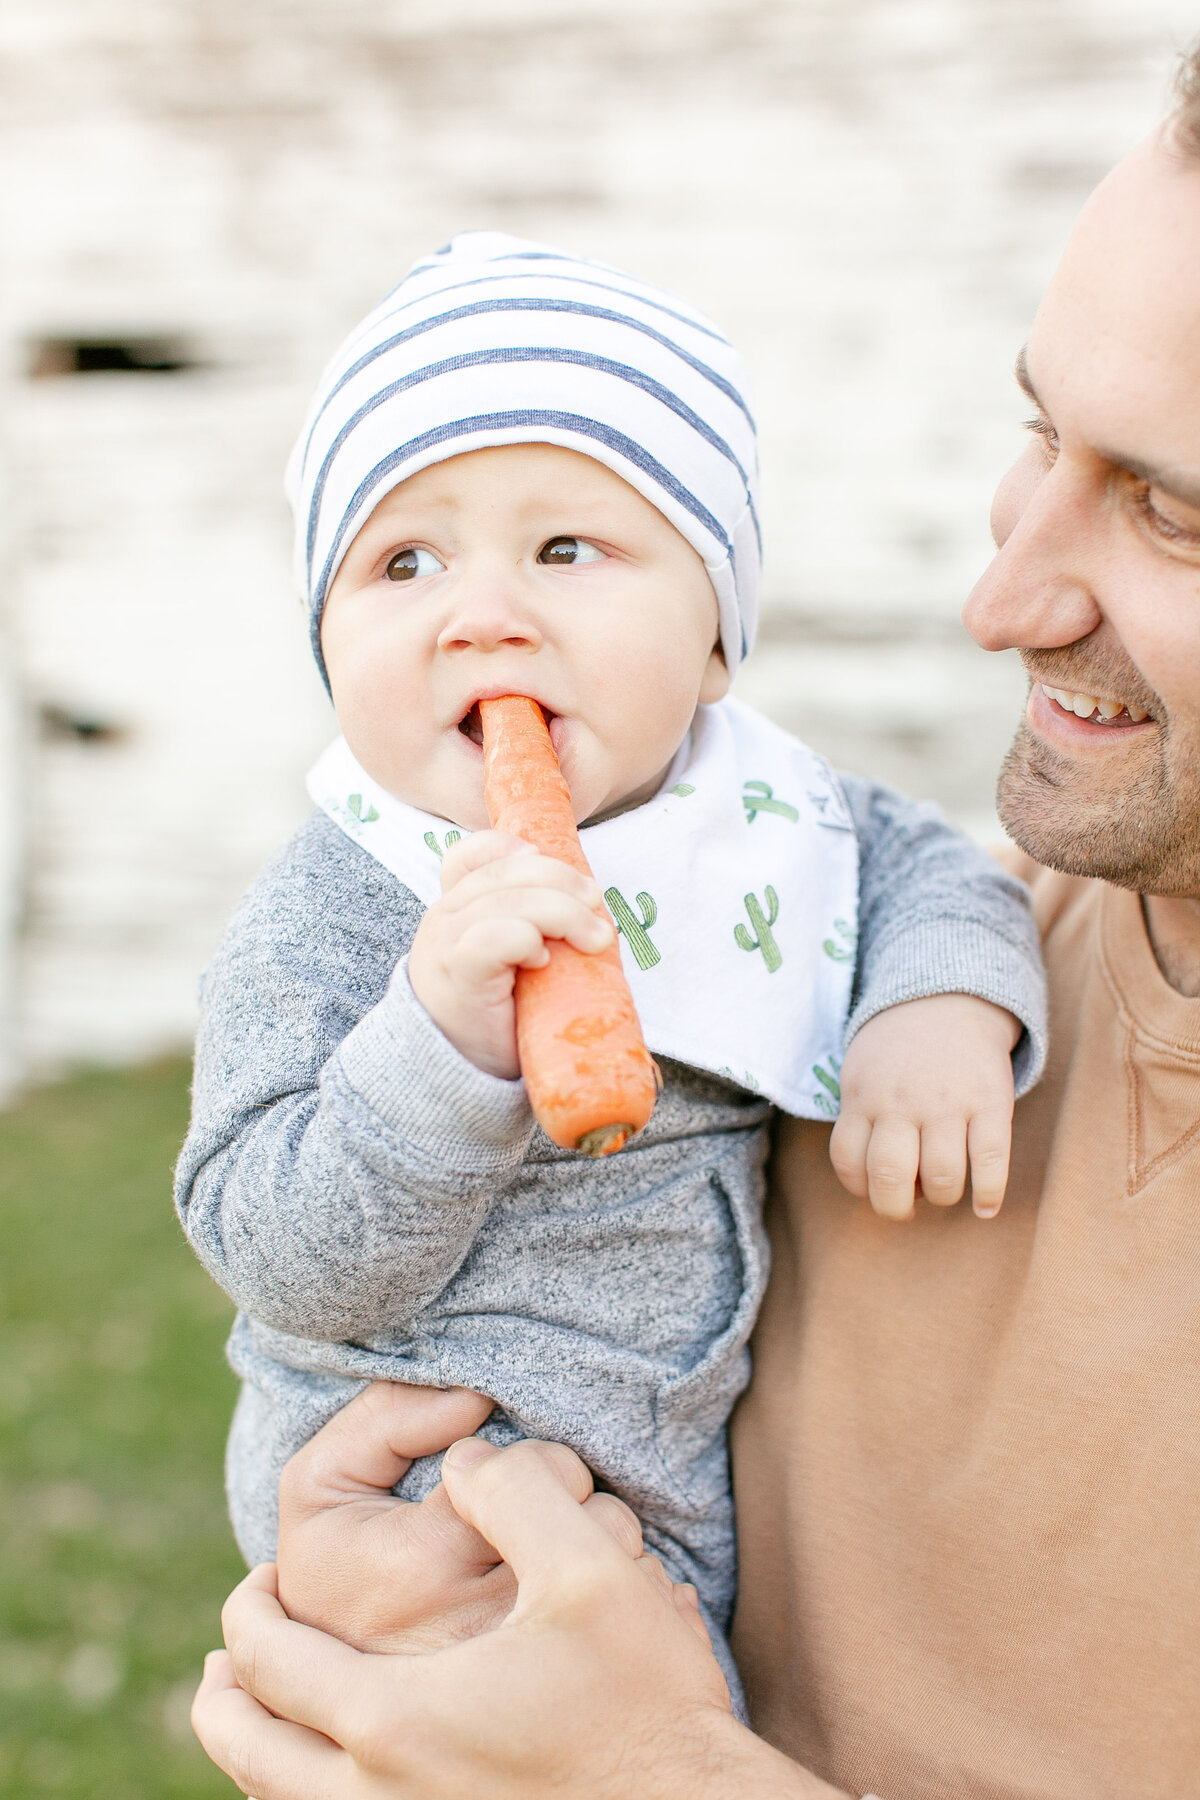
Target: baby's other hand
{"points": [[500, 901], [926, 1087]]}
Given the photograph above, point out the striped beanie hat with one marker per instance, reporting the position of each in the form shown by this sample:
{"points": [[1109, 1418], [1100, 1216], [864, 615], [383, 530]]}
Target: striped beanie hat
{"points": [[494, 340]]}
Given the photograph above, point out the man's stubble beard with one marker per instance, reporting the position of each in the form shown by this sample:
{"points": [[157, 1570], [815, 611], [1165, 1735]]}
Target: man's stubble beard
{"points": [[1145, 836]]}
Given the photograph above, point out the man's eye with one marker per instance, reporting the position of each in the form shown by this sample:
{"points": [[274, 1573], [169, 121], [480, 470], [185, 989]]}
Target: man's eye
{"points": [[1164, 524], [1041, 427], [408, 563], [563, 550]]}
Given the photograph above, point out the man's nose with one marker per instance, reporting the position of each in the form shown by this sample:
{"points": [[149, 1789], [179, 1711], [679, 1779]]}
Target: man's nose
{"points": [[490, 612], [1041, 589]]}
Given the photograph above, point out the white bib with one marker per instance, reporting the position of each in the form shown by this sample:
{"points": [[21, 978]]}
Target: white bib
{"points": [[734, 890]]}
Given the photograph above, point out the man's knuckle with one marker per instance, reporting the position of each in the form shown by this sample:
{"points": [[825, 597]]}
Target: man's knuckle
{"points": [[363, 1732], [247, 1665], [245, 1764], [198, 1718], [653, 1571], [373, 1752], [568, 1467], [229, 1623], [619, 1520], [534, 1452], [527, 1457]]}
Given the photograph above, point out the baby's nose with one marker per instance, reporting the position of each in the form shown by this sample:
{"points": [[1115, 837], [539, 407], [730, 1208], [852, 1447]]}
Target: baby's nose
{"points": [[489, 617]]}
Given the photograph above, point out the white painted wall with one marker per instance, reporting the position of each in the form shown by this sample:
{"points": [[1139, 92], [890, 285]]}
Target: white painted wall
{"points": [[12, 844], [868, 194]]}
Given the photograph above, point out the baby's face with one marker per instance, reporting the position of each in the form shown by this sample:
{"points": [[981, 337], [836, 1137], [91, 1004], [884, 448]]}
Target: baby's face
{"points": [[525, 569]]}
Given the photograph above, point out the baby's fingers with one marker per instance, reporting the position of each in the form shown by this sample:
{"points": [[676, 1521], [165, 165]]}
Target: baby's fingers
{"points": [[944, 1160], [848, 1152], [893, 1158], [493, 863], [475, 851], [508, 931], [989, 1143]]}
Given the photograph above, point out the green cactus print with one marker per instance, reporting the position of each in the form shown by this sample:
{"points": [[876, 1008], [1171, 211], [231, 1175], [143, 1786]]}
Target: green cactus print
{"points": [[843, 952], [830, 1102], [762, 923], [632, 930], [759, 796], [452, 837], [683, 789], [355, 805]]}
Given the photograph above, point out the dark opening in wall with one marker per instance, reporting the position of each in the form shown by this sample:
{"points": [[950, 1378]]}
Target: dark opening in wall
{"points": [[62, 723], [52, 356]]}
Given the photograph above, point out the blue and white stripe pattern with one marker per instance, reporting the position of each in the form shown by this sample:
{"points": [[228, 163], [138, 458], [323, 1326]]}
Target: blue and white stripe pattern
{"points": [[495, 340]]}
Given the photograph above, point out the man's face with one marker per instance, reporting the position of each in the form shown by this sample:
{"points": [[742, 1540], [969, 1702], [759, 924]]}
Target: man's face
{"points": [[524, 569], [1097, 579]]}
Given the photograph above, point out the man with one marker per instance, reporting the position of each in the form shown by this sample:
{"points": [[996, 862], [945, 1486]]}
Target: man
{"points": [[967, 1470]]}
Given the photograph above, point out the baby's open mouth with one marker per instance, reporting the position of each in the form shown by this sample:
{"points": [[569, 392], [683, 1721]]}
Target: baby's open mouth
{"points": [[471, 725]]}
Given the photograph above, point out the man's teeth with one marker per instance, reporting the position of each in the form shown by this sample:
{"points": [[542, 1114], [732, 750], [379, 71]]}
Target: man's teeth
{"points": [[1084, 706]]}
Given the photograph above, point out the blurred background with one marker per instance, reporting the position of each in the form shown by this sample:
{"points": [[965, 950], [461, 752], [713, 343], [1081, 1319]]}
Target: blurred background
{"points": [[199, 198]]}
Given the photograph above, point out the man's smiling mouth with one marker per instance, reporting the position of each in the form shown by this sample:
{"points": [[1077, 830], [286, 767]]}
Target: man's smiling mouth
{"points": [[1097, 711]]}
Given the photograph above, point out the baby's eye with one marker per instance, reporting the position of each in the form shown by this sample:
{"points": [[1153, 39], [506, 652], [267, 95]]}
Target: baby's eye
{"points": [[562, 550], [407, 563]]}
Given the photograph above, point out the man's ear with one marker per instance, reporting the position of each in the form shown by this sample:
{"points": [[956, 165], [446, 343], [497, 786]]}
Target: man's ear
{"points": [[715, 682]]}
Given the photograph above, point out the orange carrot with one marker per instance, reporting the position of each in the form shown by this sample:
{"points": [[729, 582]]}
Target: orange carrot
{"points": [[591, 1081]]}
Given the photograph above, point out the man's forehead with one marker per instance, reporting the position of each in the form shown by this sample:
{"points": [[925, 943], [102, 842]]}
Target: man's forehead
{"points": [[1115, 349]]}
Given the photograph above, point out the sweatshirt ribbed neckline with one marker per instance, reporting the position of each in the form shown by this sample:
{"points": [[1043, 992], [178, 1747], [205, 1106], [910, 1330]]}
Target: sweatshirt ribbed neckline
{"points": [[1150, 1001]]}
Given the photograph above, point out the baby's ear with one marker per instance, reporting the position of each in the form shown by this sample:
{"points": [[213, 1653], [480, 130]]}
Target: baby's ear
{"points": [[715, 682]]}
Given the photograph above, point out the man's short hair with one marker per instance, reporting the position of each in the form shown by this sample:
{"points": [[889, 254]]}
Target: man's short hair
{"points": [[1186, 119]]}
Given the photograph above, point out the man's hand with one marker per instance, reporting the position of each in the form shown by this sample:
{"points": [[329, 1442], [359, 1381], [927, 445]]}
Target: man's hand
{"points": [[500, 901], [383, 1573], [600, 1683], [926, 1088]]}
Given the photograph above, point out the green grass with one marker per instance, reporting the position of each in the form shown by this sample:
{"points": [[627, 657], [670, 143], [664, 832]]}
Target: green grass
{"points": [[115, 1553]]}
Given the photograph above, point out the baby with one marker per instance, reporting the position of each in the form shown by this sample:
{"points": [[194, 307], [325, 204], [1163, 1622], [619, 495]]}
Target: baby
{"points": [[529, 474]]}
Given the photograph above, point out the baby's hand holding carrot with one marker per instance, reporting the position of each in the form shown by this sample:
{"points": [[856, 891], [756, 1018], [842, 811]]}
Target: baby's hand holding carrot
{"points": [[500, 901], [591, 1081]]}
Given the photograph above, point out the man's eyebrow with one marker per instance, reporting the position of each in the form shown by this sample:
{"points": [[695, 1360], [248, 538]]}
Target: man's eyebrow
{"points": [[1179, 483]]}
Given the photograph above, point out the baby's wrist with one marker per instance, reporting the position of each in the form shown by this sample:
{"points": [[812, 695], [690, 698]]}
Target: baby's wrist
{"points": [[1008, 1026], [459, 1025], [988, 1014], [479, 1055]]}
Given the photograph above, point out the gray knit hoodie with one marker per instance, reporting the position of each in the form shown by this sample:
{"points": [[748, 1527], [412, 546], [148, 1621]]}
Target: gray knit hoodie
{"points": [[378, 1207]]}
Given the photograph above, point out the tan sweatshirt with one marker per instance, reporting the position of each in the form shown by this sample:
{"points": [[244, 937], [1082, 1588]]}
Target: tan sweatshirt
{"points": [[968, 1468]]}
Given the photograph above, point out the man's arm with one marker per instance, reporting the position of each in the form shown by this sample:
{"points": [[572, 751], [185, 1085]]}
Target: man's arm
{"points": [[599, 1683]]}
